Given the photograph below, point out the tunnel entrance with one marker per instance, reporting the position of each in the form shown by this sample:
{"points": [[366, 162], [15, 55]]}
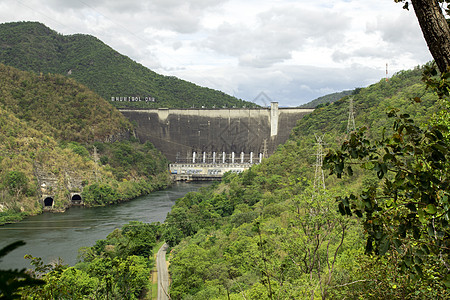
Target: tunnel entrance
{"points": [[48, 202], [76, 199]]}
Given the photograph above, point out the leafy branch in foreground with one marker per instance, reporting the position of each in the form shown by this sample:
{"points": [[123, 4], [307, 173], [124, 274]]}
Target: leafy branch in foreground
{"points": [[13, 280], [408, 212]]}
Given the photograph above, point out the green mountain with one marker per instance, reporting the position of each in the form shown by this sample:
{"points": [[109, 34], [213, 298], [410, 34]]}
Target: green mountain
{"points": [[57, 137], [272, 232], [370, 106], [32, 46], [59, 106], [327, 99], [268, 234]]}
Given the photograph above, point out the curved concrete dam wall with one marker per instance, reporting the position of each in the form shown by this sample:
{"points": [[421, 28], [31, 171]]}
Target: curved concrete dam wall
{"points": [[178, 133]]}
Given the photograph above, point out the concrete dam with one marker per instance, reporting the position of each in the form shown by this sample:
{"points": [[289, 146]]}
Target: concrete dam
{"points": [[215, 136]]}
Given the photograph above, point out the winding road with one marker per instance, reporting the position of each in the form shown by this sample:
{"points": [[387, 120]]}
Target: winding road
{"points": [[163, 274]]}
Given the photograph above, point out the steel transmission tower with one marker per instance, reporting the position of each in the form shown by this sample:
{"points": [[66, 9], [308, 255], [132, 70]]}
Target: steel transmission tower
{"points": [[319, 179], [351, 118]]}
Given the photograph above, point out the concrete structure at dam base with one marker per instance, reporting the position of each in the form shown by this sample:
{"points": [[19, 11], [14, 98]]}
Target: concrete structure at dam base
{"points": [[217, 139]]}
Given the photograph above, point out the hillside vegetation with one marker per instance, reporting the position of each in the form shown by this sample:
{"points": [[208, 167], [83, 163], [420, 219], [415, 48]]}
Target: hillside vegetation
{"points": [[32, 46], [269, 233], [53, 127], [118, 267], [370, 107], [326, 100], [59, 106], [273, 232]]}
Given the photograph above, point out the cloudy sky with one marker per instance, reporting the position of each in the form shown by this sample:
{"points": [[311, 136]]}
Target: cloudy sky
{"points": [[292, 50]]}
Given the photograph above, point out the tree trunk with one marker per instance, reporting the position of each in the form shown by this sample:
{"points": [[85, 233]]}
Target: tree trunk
{"points": [[435, 30]]}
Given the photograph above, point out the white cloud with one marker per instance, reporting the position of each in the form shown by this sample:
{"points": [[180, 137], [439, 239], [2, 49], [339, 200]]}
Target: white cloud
{"points": [[276, 34], [293, 50]]}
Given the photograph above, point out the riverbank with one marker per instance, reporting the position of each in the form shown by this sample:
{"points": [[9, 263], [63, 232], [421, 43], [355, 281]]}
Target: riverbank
{"points": [[50, 236], [8, 217], [96, 195]]}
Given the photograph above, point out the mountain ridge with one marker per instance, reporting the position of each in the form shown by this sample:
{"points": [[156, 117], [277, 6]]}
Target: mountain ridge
{"points": [[58, 137], [32, 46], [265, 224], [327, 99]]}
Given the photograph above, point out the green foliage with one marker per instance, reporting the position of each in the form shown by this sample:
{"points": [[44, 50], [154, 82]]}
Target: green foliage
{"points": [[47, 123], [78, 149], [35, 47], [251, 233], [327, 99], [191, 264], [132, 160], [18, 189], [413, 166], [16, 182], [24, 149], [142, 238], [267, 234], [382, 278], [59, 106], [11, 281], [100, 194], [370, 106], [118, 267], [11, 217], [262, 247]]}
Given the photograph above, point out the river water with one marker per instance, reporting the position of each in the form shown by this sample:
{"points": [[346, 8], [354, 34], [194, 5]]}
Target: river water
{"points": [[60, 235]]}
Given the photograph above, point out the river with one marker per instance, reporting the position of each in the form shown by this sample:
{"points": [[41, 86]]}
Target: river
{"points": [[60, 235]]}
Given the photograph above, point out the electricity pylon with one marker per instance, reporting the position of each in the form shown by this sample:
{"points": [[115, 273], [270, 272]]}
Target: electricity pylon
{"points": [[319, 179], [351, 118]]}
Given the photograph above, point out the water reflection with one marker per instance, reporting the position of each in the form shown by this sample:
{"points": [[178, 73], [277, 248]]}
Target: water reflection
{"points": [[54, 235]]}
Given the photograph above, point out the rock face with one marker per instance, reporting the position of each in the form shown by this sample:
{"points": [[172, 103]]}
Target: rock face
{"points": [[120, 136], [58, 192], [178, 133]]}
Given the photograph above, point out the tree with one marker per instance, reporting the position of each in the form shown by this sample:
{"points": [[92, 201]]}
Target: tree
{"points": [[314, 239], [16, 182], [435, 29], [408, 211], [11, 281], [141, 238], [190, 267]]}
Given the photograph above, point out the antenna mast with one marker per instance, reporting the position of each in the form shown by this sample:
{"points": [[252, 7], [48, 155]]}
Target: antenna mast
{"points": [[387, 72]]}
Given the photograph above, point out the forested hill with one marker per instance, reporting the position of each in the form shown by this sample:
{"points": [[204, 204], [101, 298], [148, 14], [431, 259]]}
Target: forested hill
{"points": [[32, 46], [59, 106], [370, 107], [268, 233], [327, 99], [55, 128]]}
